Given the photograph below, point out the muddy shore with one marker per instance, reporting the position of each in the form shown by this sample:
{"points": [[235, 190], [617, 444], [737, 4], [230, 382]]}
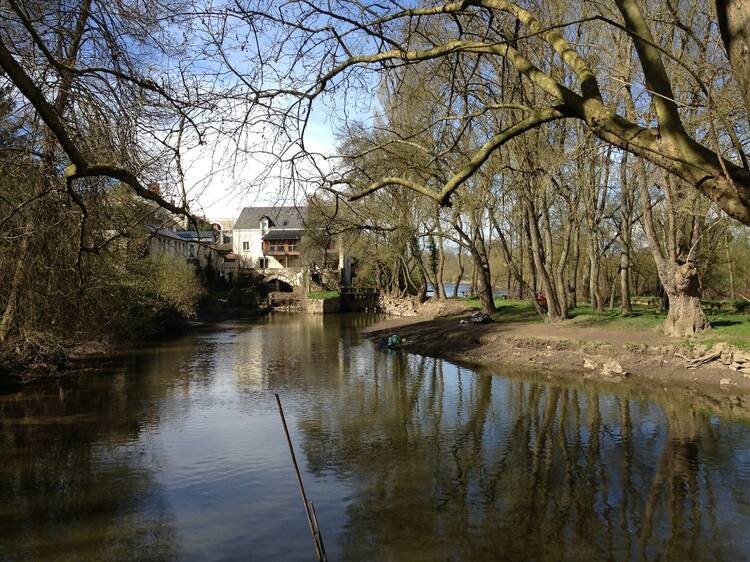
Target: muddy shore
{"points": [[564, 351]]}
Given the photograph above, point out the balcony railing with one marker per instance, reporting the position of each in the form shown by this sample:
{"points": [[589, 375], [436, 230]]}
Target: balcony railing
{"points": [[281, 251]]}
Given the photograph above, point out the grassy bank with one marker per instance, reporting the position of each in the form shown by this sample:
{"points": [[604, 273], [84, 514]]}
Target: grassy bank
{"points": [[320, 295], [728, 327]]}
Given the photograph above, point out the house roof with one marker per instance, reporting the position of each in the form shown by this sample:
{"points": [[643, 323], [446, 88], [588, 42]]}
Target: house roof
{"points": [[284, 217], [159, 231], [204, 236], [282, 234]]}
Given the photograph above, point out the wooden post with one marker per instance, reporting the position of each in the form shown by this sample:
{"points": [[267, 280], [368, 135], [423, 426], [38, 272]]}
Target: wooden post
{"points": [[312, 519]]}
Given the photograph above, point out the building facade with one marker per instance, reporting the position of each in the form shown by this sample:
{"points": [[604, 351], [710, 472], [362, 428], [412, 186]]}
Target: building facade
{"points": [[268, 239]]}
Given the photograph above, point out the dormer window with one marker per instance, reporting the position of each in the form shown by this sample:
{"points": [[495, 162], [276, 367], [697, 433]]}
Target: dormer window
{"points": [[264, 225]]}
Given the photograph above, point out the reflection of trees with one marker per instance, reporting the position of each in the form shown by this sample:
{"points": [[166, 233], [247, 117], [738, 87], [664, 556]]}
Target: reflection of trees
{"points": [[450, 465], [73, 485]]}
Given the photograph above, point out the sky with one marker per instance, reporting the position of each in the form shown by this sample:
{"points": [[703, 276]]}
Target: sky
{"points": [[219, 181]]}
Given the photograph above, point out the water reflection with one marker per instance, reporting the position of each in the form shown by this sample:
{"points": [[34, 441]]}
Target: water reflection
{"points": [[74, 480], [179, 454], [448, 464]]}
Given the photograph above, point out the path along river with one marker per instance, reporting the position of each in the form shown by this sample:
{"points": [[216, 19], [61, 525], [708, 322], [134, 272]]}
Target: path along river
{"points": [[178, 453]]}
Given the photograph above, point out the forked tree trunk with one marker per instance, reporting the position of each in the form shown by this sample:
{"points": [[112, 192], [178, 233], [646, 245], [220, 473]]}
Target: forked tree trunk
{"points": [[685, 316], [554, 312]]}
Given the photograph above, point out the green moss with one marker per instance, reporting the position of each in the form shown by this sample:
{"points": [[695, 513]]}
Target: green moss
{"points": [[320, 295]]}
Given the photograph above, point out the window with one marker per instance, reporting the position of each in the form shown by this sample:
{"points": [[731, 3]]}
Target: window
{"points": [[292, 246], [264, 225], [246, 246], [263, 263], [277, 248]]}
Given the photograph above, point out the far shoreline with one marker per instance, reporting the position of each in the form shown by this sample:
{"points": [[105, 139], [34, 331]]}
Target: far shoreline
{"points": [[646, 358]]}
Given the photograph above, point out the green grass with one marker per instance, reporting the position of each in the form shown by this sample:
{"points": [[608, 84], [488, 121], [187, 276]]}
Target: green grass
{"points": [[320, 295], [729, 327], [732, 328], [508, 310], [642, 318]]}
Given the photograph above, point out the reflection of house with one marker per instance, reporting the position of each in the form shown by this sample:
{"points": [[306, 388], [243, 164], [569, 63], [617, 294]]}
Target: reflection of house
{"points": [[268, 238]]}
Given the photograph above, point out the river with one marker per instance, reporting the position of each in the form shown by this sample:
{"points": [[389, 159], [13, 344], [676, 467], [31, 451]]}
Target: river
{"points": [[178, 454]]}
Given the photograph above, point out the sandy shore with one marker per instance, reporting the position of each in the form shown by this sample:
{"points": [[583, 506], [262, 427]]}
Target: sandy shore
{"points": [[618, 356]]}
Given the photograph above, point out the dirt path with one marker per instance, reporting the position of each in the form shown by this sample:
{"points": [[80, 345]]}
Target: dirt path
{"points": [[566, 350]]}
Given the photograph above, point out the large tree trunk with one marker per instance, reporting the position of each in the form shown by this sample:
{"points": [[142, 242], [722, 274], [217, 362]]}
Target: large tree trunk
{"points": [[685, 316], [484, 280], [627, 306], [734, 23]]}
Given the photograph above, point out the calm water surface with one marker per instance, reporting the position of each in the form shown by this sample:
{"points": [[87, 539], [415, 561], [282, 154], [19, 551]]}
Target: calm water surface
{"points": [[179, 454]]}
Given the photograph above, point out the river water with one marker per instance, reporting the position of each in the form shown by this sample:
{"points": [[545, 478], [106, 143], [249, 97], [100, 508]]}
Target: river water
{"points": [[178, 454]]}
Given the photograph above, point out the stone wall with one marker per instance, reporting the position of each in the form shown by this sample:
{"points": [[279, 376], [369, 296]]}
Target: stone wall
{"points": [[432, 308], [399, 306], [323, 306]]}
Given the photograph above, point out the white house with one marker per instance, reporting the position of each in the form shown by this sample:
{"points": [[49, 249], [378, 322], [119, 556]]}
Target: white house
{"points": [[268, 238]]}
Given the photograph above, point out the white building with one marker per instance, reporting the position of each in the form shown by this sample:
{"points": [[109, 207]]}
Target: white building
{"points": [[268, 238], [199, 248]]}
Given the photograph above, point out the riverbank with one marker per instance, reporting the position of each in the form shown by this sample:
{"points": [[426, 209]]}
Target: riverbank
{"points": [[572, 350]]}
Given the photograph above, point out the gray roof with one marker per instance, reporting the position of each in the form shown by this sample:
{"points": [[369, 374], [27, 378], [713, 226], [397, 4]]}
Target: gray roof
{"points": [[281, 234], [287, 217], [193, 235], [204, 236]]}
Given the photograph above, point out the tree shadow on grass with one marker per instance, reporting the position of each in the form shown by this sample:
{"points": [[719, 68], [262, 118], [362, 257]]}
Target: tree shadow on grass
{"points": [[717, 323]]}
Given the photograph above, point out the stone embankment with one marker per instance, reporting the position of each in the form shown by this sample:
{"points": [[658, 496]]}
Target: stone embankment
{"points": [[323, 306], [411, 307], [399, 306]]}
